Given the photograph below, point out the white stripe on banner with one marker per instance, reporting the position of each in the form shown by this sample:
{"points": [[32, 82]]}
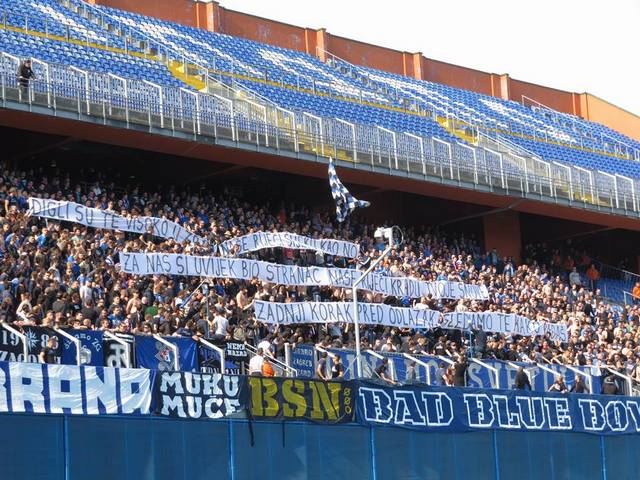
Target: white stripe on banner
{"points": [[97, 218], [261, 240], [245, 269], [381, 314]]}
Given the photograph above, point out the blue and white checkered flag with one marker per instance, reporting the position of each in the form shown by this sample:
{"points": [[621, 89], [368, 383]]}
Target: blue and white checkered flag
{"points": [[345, 202]]}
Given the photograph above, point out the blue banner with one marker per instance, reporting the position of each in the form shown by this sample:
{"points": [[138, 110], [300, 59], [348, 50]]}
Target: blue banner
{"points": [[155, 355], [303, 360], [209, 362], [91, 348], [462, 410], [478, 376], [77, 390]]}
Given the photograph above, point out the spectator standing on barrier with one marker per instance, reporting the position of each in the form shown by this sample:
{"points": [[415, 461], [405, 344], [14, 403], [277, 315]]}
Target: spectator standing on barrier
{"points": [[609, 386], [441, 373], [25, 75], [337, 369], [48, 353], [558, 385], [522, 380], [579, 386], [480, 342], [460, 372], [411, 373], [255, 364], [382, 371], [321, 367]]}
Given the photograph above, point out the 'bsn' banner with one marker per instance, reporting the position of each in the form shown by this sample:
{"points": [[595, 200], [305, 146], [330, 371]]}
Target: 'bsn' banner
{"points": [[462, 410], [296, 399], [200, 395]]}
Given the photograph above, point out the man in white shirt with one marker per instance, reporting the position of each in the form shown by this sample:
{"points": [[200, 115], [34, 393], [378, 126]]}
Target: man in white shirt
{"points": [[221, 323], [255, 364], [574, 277], [265, 345]]}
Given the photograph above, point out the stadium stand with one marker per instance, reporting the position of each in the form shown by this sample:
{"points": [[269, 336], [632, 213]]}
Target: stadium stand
{"points": [[567, 324]]}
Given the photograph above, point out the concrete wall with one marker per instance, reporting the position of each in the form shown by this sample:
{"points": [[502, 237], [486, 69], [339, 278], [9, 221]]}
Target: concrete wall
{"points": [[213, 17]]}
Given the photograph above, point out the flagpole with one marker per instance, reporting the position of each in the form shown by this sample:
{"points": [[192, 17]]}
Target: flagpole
{"points": [[387, 232]]}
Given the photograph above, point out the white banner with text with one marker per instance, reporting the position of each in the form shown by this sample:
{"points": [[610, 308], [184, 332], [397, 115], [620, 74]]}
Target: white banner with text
{"points": [[105, 219], [388, 316], [245, 269], [261, 240]]}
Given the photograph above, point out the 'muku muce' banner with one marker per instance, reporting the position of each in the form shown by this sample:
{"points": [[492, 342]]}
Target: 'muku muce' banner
{"points": [[200, 395]]}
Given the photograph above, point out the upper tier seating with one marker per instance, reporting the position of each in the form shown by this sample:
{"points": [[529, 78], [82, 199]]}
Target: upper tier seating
{"points": [[299, 81]]}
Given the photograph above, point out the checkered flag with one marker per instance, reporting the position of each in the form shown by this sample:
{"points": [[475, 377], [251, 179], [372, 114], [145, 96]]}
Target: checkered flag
{"points": [[345, 202]]}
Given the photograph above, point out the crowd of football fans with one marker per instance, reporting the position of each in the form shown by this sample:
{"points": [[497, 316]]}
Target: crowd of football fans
{"points": [[67, 275]]}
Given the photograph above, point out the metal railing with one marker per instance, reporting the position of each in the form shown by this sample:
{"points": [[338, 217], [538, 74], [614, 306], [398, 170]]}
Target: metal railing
{"points": [[575, 124], [243, 121]]}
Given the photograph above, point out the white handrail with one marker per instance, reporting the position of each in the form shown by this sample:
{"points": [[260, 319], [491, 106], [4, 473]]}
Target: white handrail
{"points": [[273, 360], [124, 343], [445, 359], [74, 340], [172, 346], [489, 367], [578, 372], [219, 350], [422, 364], [21, 336]]}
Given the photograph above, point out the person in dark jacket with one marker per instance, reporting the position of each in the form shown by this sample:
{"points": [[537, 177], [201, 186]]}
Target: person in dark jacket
{"points": [[522, 380], [579, 386], [25, 75], [459, 372], [609, 386], [480, 342]]}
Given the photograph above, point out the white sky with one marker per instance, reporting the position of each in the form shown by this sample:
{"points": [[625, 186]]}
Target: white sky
{"points": [[574, 45]]}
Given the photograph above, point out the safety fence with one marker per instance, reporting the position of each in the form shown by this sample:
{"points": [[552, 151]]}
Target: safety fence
{"points": [[99, 422], [182, 111], [215, 355]]}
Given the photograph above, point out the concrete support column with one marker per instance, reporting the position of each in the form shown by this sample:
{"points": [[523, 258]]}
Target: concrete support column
{"points": [[502, 232]]}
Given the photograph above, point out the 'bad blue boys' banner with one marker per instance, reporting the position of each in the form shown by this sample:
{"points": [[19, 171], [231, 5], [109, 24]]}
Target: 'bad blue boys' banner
{"points": [[42, 388], [91, 348], [155, 355], [461, 410]]}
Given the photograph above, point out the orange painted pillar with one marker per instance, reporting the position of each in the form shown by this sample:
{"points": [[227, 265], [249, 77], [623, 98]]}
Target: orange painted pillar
{"points": [[502, 232], [204, 15], [504, 87], [322, 44], [417, 65]]}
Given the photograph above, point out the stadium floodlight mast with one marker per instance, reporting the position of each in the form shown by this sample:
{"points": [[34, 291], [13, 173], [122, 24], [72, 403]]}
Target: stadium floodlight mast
{"points": [[392, 242]]}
